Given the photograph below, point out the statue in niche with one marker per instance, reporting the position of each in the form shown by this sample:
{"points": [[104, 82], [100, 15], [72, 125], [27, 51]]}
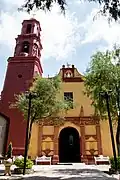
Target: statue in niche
{"points": [[71, 140], [35, 50]]}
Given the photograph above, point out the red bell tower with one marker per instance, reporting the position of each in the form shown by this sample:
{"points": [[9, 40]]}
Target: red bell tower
{"points": [[20, 72]]}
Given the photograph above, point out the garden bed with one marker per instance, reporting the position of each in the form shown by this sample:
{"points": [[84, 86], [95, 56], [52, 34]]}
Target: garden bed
{"points": [[20, 171]]}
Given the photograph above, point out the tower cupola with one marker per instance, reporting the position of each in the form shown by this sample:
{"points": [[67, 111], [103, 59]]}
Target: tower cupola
{"points": [[28, 43]]}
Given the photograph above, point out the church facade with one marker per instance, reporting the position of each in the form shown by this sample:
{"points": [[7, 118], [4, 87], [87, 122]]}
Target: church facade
{"points": [[79, 139]]}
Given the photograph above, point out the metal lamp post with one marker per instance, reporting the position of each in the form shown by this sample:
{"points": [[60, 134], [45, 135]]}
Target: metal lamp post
{"points": [[107, 98], [29, 96], [118, 126]]}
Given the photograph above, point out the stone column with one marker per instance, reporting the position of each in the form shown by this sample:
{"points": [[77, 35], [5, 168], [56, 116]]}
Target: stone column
{"points": [[56, 130], [56, 151], [82, 143], [99, 144], [40, 133]]}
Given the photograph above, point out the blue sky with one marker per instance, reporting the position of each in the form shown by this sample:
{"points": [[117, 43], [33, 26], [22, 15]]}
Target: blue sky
{"points": [[72, 38]]}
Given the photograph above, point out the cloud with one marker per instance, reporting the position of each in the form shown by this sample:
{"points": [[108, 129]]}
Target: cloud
{"points": [[14, 2], [60, 34], [100, 30]]}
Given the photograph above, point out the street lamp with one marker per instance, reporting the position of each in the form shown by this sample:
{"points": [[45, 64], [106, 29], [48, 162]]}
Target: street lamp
{"points": [[107, 98], [29, 96], [118, 126]]}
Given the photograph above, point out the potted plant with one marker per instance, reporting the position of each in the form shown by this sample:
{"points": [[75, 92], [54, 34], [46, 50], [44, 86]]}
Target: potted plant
{"points": [[19, 162], [8, 160], [9, 152], [112, 162]]}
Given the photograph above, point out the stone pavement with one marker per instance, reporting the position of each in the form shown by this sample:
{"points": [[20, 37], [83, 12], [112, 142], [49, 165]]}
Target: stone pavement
{"points": [[63, 172]]}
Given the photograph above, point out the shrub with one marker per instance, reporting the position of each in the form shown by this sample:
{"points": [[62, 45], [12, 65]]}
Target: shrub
{"points": [[113, 162], [19, 162], [9, 152]]}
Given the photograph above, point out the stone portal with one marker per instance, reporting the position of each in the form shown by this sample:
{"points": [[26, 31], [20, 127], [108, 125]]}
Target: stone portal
{"points": [[69, 145]]}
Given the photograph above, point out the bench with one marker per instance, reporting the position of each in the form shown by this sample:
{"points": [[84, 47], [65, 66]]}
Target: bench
{"points": [[43, 160], [100, 160]]}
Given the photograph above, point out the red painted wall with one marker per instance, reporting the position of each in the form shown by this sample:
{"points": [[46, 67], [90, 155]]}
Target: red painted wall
{"points": [[20, 72]]}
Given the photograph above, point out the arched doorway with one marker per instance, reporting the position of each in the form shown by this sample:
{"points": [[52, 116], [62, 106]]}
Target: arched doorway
{"points": [[4, 125], [69, 145]]}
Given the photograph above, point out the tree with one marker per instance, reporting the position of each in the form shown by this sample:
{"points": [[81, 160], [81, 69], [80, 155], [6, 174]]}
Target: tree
{"points": [[112, 7], [9, 152], [43, 5], [101, 76], [47, 105]]}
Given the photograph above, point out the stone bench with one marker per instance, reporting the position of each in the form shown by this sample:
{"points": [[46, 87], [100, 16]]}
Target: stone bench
{"points": [[100, 160], [43, 160]]}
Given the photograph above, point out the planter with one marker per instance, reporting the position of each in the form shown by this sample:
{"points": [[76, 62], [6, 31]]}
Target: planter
{"points": [[20, 171], [7, 164], [112, 171]]}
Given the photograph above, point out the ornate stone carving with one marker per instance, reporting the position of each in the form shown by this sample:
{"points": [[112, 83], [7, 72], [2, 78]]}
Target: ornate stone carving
{"points": [[48, 136], [47, 151], [82, 122], [52, 122], [93, 136], [92, 151]]}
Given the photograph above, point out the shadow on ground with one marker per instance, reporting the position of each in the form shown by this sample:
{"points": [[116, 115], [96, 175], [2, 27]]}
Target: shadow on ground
{"points": [[69, 174]]}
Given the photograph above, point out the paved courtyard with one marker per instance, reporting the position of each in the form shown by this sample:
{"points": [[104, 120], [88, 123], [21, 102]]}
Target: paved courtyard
{"points": [[63, 172]]}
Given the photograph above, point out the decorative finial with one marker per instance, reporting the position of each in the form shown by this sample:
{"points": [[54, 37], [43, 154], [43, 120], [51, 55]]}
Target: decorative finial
{"points": [[68, 65], [33, 15]]}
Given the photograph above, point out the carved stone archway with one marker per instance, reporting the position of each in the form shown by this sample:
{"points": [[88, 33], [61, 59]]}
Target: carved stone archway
{"points": [[69, 145]]}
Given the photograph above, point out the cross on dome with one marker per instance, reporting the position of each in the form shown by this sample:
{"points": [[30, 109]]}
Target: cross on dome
{"points": [[68, 65]]}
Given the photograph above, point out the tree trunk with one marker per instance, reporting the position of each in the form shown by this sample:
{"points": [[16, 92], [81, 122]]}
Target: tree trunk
{"points": [[118, 136]]}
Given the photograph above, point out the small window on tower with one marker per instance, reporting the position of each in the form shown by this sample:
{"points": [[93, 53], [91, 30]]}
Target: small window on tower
{"points": [[28, 30], [20, 75], [68, 96], [25, 47]]}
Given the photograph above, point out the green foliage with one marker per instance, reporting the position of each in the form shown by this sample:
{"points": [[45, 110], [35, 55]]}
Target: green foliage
{"points": [[112, 162], [43, 5], [102, 75], [111, 7], [19, 162], [9, 152], [47, 103]]}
